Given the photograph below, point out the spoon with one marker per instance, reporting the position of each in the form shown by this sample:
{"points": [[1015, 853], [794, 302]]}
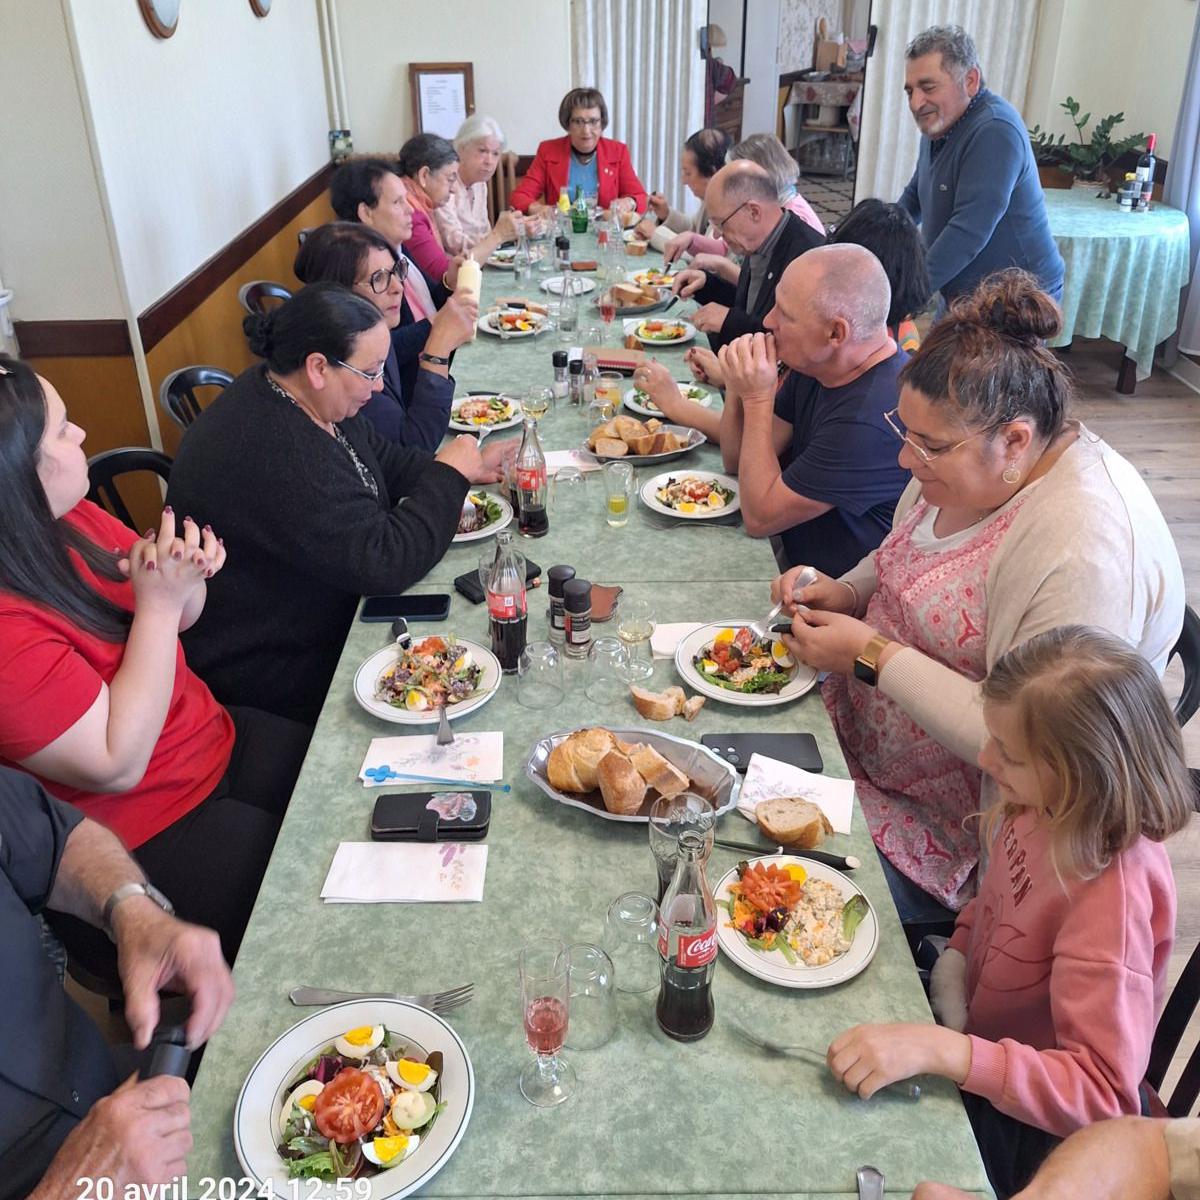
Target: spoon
{"points": [[806, 578]]}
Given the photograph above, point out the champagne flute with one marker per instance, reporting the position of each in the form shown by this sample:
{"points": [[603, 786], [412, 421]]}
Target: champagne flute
{"points": [[635, 627], [544, 970]]}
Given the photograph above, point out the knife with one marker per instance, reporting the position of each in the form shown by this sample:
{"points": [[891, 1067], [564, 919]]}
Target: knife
{"points": [[870, 1183], [840, 862]]}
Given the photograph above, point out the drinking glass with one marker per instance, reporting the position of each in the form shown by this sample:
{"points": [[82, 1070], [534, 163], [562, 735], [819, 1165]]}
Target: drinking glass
{"points": [[569, 492], [635, 627], [608, 393], [567, 309], [669, 818], [631, 939], [608, 306], [608, 661], [539, 676], [593, 999], [544, 968], [537, 402], [618, 492]]}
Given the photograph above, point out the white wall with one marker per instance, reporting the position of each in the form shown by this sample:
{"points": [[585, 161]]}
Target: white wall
{"points": [[521, 57], [728, 14], [762, 92], [54, 247], [202, 133]]}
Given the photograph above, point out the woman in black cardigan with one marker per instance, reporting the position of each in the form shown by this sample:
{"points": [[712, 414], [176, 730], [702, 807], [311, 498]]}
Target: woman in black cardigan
{"points": [[315, 507]]}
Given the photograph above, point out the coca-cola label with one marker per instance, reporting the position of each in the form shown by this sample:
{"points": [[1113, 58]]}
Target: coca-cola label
{"points": [[695, 949], [504, 606], [529, 479]]}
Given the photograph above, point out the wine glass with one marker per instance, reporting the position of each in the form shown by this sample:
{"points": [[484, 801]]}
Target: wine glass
{"points": [[635, 627], [544, 969], [537, 402]]}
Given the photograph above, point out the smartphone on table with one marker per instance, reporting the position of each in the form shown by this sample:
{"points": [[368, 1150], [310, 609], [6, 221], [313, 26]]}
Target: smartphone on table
{"points": [[430, 606], [795, 749]]}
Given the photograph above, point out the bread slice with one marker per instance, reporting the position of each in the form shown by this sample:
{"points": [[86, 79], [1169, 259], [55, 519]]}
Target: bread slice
{"points": [[610, 448], [621, 785], [657, 706], [692, 707], [653, 425], [792, 821], [642, 444], [666, 778], [628, 427]]}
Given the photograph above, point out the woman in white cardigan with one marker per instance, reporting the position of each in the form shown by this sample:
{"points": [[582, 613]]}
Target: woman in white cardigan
{"points": [[1018, 520]]}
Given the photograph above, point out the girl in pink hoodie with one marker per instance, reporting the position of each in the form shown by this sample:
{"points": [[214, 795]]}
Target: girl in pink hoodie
{"points": [[1049, 990]]}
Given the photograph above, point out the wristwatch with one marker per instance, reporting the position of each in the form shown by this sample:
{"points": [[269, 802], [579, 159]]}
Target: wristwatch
{"points": [[436, 359], [124, 892], [866, 665]]}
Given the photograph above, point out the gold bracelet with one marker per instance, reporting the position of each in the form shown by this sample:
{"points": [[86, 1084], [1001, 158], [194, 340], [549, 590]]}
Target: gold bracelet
{"points": [[853, 595]]}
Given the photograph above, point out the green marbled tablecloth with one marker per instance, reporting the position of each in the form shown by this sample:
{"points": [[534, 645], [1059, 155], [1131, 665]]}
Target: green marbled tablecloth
{"points": [[1124, 271], [651, 1117]]}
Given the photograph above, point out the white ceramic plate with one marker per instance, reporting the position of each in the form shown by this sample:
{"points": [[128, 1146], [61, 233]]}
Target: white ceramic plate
{"points": [[647, 407], [801, 682], [514, 417], [256, 1117], [771, 964], [487, 324], [650, 499], [689, 332], [367, 676], [554, 285], [487, 531], [504, 259], [694, 438], [648, 277]]}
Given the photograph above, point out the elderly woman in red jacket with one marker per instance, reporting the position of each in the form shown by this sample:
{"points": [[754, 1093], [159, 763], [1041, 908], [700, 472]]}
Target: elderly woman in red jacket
{"points": [[598, 165]]}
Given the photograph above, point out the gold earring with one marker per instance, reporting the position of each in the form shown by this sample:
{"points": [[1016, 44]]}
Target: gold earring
{"points": [[1011, 475]]}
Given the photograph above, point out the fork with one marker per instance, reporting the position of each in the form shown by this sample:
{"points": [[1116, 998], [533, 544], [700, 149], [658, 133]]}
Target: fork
{"points": [[445, 735], [438, 1002], [762, 629]]}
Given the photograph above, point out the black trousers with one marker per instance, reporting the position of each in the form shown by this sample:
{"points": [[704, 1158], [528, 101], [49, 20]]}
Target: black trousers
{"points": [[1011, 1150], [211, 861]]}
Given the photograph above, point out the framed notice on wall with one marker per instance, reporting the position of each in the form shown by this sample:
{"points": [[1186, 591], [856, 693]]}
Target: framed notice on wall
{"points": [[443, 96]]}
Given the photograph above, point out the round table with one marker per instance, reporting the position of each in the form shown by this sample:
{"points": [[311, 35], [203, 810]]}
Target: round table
{"points": [[1124, 273]]}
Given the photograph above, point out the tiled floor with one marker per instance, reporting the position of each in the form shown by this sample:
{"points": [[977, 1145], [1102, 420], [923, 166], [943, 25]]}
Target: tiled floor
{"points": [[830, 196]]}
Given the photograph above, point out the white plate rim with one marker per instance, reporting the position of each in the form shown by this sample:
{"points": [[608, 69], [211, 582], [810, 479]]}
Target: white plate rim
{"points": [[803, 682], [757, 963], [545, 284], [503, 521], [370, 670], [652, 502], [689, 333], [350, 1010], [483, 326], [629, 399], [507, 423]]}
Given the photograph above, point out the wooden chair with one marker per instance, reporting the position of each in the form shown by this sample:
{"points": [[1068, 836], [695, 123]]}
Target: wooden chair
{"points": [[105, 468], [177, 394], [502, 185], [1171, 1027], [255, 295]]}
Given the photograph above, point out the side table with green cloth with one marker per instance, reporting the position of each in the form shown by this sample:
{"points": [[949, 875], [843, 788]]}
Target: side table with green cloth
{"points": [[1124, 271], [651, 1117]]}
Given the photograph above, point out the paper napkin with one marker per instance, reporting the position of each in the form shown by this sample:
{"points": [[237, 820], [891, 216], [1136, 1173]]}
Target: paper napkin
{"points": [[405, 873], [766, 778], [470, 758], [569, 458], [667, 636]]}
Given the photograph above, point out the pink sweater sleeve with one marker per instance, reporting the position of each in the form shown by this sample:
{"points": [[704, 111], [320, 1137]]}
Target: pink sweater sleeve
{"points": [[425, 249], [962, 929], [1103, 1002]]}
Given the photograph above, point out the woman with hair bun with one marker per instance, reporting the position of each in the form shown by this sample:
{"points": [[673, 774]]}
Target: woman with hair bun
{"points": [[315, 507], [1017, 520], [703, 156]]}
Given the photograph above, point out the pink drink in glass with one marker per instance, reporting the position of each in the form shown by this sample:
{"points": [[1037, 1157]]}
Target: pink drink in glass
{"points": [[546, 1025]]}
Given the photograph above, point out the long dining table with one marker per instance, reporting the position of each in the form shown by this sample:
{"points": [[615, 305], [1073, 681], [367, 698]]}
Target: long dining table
{"points": [[650, 1116]]}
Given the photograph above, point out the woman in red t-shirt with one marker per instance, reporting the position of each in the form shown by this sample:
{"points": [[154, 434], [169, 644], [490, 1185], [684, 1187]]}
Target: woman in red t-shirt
{"points": [[96, 699]]}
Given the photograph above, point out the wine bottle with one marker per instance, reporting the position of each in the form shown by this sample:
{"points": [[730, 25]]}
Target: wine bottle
{"points": [[1145, 174]]}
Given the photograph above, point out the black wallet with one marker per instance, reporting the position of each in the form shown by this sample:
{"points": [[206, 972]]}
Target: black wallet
{"points": [[468, 584], [432, 817]]}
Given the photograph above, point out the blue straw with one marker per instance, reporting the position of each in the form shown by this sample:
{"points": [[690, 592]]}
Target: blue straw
{"points": [[500, 787]]}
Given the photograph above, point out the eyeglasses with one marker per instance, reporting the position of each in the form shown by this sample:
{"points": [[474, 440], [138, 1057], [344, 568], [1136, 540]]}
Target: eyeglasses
{"points": [[379, 281], [586, 122], [719, 225], [926, 456], [370, 378]]}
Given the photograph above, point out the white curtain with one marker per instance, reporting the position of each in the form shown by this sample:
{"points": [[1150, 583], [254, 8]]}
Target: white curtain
{"points": [[1004, 36], [1183, 191], [644, 55]]}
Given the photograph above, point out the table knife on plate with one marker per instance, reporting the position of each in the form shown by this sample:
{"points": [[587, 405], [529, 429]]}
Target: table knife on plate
{"points": [[840, 862]]}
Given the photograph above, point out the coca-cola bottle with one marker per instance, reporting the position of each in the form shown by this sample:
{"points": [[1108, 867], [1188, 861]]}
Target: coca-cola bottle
{"points": [[507, 614], [687, 946], [532, 520]]}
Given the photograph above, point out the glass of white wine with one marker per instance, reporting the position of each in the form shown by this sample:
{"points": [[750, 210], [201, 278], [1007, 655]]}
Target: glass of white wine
{"points": [[537, 402], [635, 627]]}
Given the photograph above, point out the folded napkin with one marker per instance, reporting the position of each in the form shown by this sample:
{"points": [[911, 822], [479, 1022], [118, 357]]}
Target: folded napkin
{"points": [[666, 637], [470, 758], [570, 458], [405, 873], [767, 778]]}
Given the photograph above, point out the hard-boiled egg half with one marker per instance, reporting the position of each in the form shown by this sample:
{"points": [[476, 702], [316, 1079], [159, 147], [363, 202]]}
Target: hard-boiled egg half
{"points": [[796, 872], [390, 1151], [305, 1095], [463, 661], [716, 500], [726, 635], [358, 1043], [415, 700], [687, 506], [411, 1110], [416, 1076], [779, 653]]}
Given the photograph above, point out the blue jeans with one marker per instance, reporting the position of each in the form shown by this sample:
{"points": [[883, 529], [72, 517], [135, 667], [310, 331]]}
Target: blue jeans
{"points": [[914, 904]]}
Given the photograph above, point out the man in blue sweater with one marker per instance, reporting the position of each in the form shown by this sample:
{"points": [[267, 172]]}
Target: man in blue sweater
{"points": [[975, 192]]}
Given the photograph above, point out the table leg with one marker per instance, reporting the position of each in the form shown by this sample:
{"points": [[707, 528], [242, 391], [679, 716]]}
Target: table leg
{"points": [[1126, 376]]}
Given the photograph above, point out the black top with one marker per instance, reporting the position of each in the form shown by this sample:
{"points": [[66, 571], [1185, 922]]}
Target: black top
{"points": [[410, 335], [412, 416], [796, 237], [305, 538], [54, 1065]]}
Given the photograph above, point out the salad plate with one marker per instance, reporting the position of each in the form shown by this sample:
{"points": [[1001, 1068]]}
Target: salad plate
{"points": [[554, 285], [663, 332], [258, 1118], [512, 322], [495, 512], [780, 682], [639, 402], [484, 410], [651, 278], [815, 928], [504, 259], [429, 670], [691, 495]]}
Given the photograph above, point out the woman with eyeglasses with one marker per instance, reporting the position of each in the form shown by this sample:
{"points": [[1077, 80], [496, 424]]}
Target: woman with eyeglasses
{"points": [[596, 165], [359, 258], [1017, 520], [315, 507]]}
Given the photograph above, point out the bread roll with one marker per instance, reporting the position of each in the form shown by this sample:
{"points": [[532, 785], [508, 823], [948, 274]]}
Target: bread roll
{"points": [[628, 427], [621, 785], [610, 448], [666, 778], [657, 706], [791, 821], [572, 764]]}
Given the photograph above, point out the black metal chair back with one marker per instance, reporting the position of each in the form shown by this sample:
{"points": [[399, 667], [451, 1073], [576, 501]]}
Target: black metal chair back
{"points": [[105, 468], [255, 296], [178, 396], [1188, 649], [1172, 1025]]}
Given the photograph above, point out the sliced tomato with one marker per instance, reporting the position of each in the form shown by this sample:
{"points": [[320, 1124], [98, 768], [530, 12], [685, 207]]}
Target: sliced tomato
{"points": [[430, 645], [766, 888], [349, 1106]]}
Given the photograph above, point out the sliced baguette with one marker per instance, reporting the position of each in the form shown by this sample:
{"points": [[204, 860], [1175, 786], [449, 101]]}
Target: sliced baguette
{"points": [[621, 785], [692, 707], [660, 774], [791, 821], [610, 448], [657, 706]]}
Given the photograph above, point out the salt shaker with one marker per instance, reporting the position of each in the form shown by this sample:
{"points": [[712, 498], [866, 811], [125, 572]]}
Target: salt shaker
{"points": [[559, 359]]}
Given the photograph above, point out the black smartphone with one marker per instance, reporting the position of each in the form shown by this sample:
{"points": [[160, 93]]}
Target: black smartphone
{"points": [[432, 606], [796, 749], [461, 816], [468, 583]]}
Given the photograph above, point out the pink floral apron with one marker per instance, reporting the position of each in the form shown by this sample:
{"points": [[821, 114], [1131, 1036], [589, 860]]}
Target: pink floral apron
{"points": [[915, 792]]}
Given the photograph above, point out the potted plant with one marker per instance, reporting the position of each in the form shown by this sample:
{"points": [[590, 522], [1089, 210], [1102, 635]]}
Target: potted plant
{"points": [[1087, 161]]}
